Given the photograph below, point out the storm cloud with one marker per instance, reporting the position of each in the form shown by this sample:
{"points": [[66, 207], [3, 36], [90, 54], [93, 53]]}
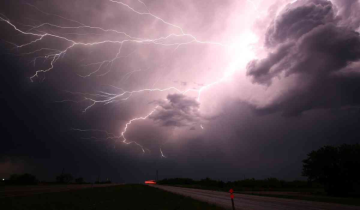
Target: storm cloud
{"points": [[73, 116], [178, 110], [348, 12], [310, 44]]}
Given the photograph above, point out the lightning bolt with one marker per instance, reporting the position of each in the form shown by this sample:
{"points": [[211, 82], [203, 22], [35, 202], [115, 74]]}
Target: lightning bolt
{"points": [[55, 56], [129, 123], [162, 154], [105, 66]]}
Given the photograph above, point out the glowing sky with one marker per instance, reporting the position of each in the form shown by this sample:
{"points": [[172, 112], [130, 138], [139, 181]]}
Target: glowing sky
{"points": [[189, 81]]}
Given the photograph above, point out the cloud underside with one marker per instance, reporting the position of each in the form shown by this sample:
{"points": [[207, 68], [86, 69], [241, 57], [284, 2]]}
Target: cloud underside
{"points": [[178, 110], [313, 42]]}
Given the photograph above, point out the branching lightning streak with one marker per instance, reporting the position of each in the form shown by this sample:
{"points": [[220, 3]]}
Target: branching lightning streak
{"points": [[73, 43], [129, 123], [125, 95], [104, 97]]}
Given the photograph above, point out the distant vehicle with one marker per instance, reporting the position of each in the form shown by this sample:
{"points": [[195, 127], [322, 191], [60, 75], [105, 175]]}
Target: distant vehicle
{"points": [[150, 182]]}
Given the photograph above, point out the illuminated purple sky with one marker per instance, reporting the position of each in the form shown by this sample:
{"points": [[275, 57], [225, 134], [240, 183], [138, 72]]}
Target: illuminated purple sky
{"points": [[223, 88]]}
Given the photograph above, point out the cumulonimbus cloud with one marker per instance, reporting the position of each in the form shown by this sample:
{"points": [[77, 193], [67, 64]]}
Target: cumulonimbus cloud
{"points": [[178, 110], [310, 41]]}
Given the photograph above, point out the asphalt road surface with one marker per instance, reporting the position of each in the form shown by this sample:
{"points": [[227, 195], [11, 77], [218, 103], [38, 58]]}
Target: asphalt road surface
{"points": [[253, 202], [13, 191]]}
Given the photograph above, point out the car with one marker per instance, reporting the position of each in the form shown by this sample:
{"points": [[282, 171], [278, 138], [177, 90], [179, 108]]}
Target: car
{"points": [[150, 182]]}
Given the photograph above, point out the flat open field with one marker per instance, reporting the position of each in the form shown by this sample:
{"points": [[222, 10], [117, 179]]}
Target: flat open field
{"points": [[253, 202], [14, 191], [111, 197]]}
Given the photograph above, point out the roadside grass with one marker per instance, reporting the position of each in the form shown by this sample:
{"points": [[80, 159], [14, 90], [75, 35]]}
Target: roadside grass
{"points": [[316, 195], [117, 197], [325, 199]]}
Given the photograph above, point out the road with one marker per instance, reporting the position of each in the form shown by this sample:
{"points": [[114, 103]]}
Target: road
{"points": [[252, 202], [14, 191]]}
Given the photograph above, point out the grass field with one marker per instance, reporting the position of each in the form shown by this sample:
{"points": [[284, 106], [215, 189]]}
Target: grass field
{"points": [[118, 197]]}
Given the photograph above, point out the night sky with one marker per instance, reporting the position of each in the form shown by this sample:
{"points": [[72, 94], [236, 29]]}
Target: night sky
{"points": [[222, 89]]}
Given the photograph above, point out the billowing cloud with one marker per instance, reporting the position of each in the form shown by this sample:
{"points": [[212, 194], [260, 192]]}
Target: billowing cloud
{"points": [[311, 44], [178, 110], [348, 12], [298, 19]]}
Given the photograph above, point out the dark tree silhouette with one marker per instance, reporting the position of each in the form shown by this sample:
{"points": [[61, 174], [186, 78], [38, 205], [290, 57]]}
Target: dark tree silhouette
{"points": [[23, 179], [239, 185], [64, 178], [335, 167], [79, 180]]}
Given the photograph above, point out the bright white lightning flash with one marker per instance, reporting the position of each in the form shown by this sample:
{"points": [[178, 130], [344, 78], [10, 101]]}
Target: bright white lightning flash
{"points": [[238, 48], [162, 154]]}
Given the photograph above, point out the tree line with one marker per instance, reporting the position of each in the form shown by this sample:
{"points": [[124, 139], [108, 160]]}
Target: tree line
{"points": [[334, 169], [243, 185], [63, 178]]}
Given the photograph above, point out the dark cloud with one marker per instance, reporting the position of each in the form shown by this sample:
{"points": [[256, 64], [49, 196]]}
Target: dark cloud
{"points": [[307, 43], [348, 11], [178, 110], [298, 19], [264, 70]]}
